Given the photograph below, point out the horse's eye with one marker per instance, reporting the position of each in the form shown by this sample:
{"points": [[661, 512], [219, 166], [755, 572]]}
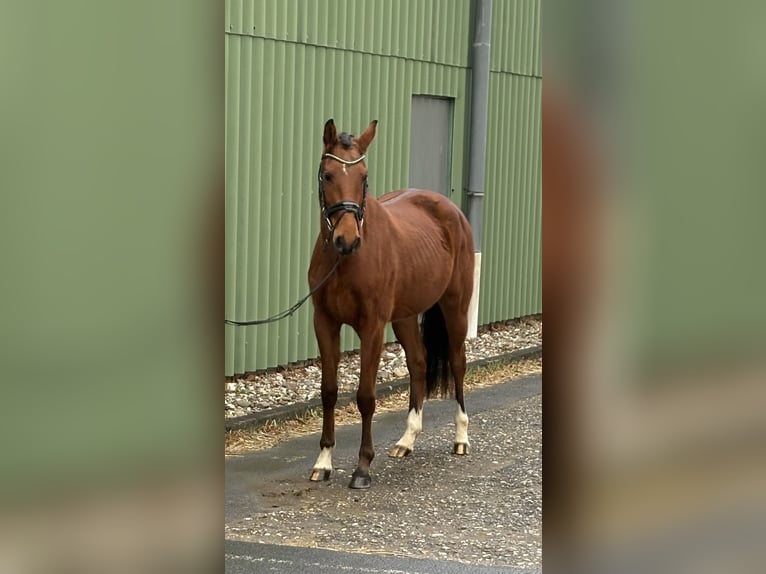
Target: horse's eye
{"points": [[327, 176]]}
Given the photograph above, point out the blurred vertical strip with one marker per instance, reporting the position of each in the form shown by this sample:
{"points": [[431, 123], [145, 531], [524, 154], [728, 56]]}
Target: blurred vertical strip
{"points": [[653, 286], [571, 200], [111, 162]]}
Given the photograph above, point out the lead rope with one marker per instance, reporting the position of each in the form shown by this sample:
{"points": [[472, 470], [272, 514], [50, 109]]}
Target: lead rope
{"points": [[359, 213], [291, 310]]}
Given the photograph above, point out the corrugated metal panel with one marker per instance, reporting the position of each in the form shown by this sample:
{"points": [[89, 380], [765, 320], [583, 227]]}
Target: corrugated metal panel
{"points": [[517, 37], [512, 258], [285, 76], [431, 30], [274, 126]]}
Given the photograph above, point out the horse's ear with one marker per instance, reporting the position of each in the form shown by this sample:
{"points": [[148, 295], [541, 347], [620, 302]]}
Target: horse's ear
{"points": [[364, 140], [330, 134]]}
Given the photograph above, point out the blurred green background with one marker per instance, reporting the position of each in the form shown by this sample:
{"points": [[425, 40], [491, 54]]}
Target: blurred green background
{"points": [[668, 394], [675, 95], [111, 150]]}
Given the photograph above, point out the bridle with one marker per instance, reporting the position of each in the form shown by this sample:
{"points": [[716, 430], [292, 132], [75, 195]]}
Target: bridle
{"points": [[327, 212], [344, 206]]}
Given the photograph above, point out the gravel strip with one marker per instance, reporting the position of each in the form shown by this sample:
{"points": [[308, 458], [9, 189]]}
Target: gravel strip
{"points": [[260, 391], [485, 508]]}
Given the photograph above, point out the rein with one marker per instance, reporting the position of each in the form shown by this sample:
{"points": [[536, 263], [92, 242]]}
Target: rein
{"points": [[327, 212], [291, 310]]}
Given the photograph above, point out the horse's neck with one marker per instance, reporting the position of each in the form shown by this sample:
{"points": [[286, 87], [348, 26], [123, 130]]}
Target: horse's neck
{"points": [[374, 210]]}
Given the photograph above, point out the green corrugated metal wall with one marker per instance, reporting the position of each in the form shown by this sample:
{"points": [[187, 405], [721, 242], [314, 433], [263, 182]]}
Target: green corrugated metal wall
{"points": [[511, 277], [293, 64]]}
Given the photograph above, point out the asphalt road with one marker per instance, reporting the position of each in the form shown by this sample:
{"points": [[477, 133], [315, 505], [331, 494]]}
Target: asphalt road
{"points": [[252, 557], [429, 512]]}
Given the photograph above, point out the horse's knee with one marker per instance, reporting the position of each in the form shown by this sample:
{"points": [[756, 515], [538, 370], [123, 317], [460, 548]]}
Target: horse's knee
{"points": [[365, 401]]}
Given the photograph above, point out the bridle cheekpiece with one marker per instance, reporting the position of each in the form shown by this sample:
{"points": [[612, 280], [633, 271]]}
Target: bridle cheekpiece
{"points": [[344, 206]]}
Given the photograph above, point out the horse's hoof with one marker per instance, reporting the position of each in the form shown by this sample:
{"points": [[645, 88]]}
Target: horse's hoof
{"points": [[360, 480], [399, 451], [460, 448], [319, 474]]}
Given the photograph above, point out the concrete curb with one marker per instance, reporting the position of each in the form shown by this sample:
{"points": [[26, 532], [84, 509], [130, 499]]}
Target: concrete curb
{"points": [[287, 412]]}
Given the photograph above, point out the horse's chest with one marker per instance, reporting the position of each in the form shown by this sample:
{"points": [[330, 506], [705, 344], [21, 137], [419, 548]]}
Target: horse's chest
{"points": [[344, 305]]}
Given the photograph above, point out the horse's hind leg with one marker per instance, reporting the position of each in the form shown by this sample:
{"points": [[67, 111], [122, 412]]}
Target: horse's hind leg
{"points": [[408, 333], [328, 337], [456, 319]]}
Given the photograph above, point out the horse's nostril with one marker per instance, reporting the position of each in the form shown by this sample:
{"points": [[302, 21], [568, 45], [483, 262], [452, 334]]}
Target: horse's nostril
{"points": [[340, 245], [343, 247]]}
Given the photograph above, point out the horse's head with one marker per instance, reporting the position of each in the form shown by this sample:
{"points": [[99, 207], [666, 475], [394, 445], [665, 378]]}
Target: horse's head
{"points": [[343, 185]]}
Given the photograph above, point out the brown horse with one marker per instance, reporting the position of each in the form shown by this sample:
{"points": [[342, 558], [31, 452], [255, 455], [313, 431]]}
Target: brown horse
{"points": [[408, 253]]}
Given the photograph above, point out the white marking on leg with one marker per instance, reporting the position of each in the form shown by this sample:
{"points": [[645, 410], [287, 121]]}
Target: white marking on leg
{"points": [[414, 427], [461, 426], [324, 461]]}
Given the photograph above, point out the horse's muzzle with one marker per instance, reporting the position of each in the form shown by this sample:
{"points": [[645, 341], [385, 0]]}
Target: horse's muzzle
{"points": [[342, 247]]}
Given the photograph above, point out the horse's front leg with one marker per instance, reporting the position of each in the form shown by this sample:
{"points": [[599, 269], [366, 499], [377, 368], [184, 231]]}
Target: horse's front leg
{"points": [[372, 345], [328, 336]]}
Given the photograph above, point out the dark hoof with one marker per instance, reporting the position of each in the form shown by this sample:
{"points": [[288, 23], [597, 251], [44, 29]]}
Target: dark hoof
{"points": [[399, 451], [360, 480], [319, 474], [460, 448]]}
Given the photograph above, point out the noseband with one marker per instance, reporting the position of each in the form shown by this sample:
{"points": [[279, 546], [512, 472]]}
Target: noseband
{"points": [[344, 206]]}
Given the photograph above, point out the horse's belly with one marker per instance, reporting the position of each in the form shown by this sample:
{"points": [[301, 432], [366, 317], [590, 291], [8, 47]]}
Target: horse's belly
{"points": [[417, 296]]}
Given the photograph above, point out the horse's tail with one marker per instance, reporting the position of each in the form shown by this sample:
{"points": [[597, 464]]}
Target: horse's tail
{"points": [[436, 341]]}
